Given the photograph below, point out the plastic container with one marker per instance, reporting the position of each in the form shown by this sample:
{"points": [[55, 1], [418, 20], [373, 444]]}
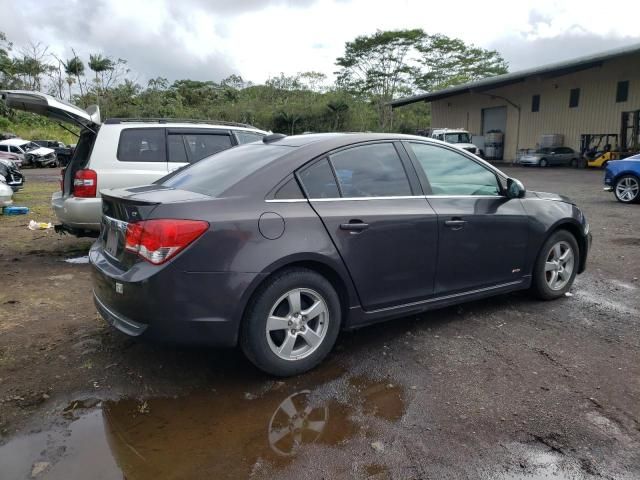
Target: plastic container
{"points": [[15, 210]]}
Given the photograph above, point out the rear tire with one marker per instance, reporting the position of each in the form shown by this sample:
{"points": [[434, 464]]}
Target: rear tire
{"points": [[556, 266], [543, 163], [627, 189], [292, 323]]}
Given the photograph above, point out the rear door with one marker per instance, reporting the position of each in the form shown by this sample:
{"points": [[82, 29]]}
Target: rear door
{"points": [[141, 158], [186, 146], [482, 233], [371, 204]]}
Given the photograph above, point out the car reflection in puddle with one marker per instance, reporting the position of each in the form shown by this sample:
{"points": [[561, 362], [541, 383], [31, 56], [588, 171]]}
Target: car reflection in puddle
{"points": [[215, 437], [229, 433]]}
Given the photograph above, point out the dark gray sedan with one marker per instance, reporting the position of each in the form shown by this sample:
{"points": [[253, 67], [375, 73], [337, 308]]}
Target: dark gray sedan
{"points": [[280, 244]]}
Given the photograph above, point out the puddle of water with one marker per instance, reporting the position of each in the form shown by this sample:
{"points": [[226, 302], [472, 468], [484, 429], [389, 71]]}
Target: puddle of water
{"points": [[384, 400], [78, 260], [214, 434]]}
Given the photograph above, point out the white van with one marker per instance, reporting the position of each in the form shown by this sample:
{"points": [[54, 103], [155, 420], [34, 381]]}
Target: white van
{"points": [[122, 153]]}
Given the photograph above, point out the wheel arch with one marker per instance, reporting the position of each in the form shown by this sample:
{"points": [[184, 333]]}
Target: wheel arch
{"points": [[335, 274], [575, 229]]}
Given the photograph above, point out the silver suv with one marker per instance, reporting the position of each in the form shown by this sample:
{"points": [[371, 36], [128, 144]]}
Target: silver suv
{"points": [[122, 153]]}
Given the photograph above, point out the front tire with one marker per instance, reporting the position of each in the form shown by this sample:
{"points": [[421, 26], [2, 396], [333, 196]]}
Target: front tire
{"points": [[543, 163], [574, 163], [627, 189], [556, 266], [292, 323]]}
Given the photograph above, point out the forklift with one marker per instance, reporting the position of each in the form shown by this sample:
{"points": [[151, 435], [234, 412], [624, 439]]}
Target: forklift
{"points": [[600, 148]]}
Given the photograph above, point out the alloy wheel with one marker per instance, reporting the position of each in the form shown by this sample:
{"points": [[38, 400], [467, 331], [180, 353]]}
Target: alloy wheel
{"points": [[559, 265], [627, 189], [297, 324]]}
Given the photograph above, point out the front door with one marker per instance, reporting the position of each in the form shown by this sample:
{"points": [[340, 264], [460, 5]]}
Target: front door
{"points": [[482, 233], [384, 230]]}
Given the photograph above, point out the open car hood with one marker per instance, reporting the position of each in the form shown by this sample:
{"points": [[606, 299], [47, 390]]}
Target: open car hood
{"points": [[57, 110]]}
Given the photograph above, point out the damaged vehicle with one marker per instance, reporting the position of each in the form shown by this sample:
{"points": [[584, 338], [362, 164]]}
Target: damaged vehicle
{"points": [[11, 175], [277, 246], [34, 155], [122, 152], [13, 158]]}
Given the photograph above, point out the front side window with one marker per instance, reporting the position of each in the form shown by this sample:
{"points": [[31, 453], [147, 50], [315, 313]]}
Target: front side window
{"points": [[142, 145], [204, 145], [15, 149], [452, 173], [371, 171]]}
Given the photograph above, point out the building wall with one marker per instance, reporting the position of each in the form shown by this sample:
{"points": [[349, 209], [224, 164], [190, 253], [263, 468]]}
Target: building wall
{"points": [[597, 111]]}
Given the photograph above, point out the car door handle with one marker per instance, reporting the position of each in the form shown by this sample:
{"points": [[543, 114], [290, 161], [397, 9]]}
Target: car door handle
{"points": [[354, 226], [455, 223]]}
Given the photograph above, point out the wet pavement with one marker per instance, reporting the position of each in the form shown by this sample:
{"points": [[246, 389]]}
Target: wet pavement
{"points": [[500, 389]]}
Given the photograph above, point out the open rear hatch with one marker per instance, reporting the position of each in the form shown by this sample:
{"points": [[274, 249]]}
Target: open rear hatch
{"points": [[48, 106]]}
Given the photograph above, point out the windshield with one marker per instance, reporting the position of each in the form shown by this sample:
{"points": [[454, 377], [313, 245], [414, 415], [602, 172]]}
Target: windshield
{"points": [[30, 146], [460, 137], [217, 173]]}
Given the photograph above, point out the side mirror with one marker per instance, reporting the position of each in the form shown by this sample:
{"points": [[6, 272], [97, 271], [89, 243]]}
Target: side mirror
{"points": [[515, 188]]}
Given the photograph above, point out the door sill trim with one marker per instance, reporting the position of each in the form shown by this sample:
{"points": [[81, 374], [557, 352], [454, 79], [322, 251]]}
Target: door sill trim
{"points": [[447, 297]]}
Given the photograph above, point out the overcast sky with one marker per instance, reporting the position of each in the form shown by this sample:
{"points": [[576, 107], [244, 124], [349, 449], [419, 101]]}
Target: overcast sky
{"points": [[211, 39]]}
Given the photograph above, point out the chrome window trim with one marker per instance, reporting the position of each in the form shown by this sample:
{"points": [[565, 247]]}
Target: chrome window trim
{"points": [[351, 199]]}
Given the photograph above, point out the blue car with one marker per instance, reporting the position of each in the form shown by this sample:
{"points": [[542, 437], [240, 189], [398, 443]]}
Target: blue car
{"points": [[622, 177]]}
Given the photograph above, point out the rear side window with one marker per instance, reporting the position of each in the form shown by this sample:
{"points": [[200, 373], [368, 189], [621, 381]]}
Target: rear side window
{"points": [[318, 181], [203, 145], [290, 190], [247, 137], [371, 171], [214, 175], [142, 145]]}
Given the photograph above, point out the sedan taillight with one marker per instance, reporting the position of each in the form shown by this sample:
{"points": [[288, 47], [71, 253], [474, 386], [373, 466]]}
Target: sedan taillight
{"points": [[85, 183], [158, 240]]}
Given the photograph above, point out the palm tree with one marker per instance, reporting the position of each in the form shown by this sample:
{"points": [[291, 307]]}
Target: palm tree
{"points": [[99, 64], [74, 68], [70, 81]]}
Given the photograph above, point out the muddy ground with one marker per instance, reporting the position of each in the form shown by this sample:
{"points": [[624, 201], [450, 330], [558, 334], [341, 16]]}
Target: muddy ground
{"points": [[505, 388]]}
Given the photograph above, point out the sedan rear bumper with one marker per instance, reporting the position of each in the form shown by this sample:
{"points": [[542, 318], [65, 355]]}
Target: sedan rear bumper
{"points": [[167, 304]]}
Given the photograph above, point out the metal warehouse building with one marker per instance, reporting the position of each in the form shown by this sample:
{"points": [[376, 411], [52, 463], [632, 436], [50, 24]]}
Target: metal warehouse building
{"points": [[598, 94]]}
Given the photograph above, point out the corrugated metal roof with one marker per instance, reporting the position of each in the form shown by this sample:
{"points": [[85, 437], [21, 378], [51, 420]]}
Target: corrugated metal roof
{"points": [[549, 70]]}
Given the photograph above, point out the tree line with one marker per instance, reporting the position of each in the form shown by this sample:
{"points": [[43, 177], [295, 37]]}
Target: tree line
{"points": [[373, 70]]}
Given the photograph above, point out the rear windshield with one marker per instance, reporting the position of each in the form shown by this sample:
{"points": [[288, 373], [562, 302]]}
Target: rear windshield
{"points": [[217, 173]]}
